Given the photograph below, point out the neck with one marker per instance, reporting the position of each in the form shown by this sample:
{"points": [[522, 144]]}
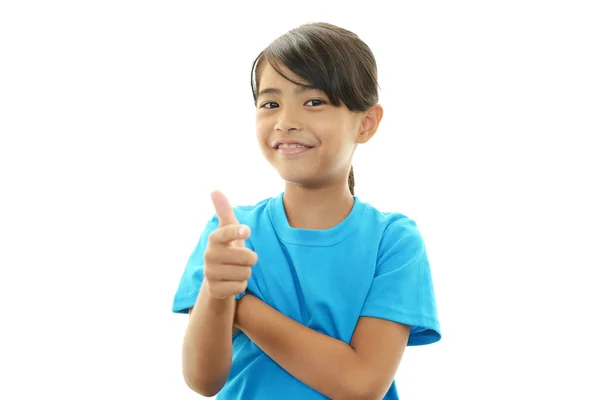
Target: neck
{"points": [[317, 208]]}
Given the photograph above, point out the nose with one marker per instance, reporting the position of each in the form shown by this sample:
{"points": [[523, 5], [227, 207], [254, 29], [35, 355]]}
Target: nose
{"points": [[287, 122]]}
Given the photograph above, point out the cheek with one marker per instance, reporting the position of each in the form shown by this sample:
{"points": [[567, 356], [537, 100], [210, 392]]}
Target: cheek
{"points": [[262, 128], [337, 147], [333, 138]]}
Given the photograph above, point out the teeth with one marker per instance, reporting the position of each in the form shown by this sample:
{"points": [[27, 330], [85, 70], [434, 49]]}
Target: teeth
{"points": [[291, 146]]}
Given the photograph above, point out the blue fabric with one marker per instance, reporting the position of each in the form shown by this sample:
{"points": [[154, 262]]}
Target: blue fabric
{"points": [[372, 264]]}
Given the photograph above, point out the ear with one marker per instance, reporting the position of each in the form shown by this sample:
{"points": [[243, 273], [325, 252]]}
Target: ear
{"points": [[369, 124]]}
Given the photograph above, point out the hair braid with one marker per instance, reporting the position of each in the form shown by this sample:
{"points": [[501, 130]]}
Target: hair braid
{"points": [[351, 180]]}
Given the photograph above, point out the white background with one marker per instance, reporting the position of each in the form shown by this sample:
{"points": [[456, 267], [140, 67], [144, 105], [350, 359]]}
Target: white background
{"points": [[117, 119]]}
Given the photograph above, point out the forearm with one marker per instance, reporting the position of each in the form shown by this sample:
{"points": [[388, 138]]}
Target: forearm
{"points": [[207, 344], [328, 365]]}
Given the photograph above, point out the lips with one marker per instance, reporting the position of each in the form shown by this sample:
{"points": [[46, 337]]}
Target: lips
{"points": [[290, 148], [291, 144]]}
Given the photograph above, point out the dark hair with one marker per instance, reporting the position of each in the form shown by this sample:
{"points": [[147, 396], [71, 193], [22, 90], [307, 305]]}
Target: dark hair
{"points": [[328, 58]]}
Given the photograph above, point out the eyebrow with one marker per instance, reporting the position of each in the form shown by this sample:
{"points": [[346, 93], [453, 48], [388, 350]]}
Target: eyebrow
{"points": [[298, 90]]}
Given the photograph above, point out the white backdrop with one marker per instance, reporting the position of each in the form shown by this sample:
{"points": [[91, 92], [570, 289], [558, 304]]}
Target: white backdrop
{"points": [[117, 118]]}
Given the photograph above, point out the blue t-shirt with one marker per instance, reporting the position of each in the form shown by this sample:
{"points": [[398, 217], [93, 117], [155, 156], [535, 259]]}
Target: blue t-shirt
{"points": [[371, 264]]}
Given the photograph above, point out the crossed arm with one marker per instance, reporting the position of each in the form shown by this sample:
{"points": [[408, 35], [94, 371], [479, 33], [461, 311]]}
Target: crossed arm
{"points": [[362, 370]]}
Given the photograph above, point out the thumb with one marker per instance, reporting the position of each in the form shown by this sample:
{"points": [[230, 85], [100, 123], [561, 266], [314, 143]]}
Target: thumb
{"points": [[223, 209]]}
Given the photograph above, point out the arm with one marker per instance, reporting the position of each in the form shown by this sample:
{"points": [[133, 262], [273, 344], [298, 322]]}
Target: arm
{"points": [[362, 370], [225, 267], [207, 343]]}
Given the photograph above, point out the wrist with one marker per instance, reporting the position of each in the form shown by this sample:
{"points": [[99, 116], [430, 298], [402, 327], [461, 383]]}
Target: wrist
{"points": [[215, 304]]}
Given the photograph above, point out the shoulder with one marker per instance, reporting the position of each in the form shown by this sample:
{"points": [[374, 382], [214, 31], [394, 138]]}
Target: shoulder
{"points": [[397, 230], [392, 223]]}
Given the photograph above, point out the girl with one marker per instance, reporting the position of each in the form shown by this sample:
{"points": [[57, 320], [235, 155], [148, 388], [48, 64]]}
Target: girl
{"points": [[314, 293]]}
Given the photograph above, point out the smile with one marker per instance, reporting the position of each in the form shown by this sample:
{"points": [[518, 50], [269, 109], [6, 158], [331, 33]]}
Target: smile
{"points": [[292, 149]]}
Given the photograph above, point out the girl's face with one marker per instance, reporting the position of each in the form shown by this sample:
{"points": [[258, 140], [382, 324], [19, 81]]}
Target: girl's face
{"points": [[309, 141]]}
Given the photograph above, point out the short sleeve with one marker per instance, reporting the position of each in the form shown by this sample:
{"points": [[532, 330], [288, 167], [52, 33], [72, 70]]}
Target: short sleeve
{"points": [[402, 288], [193, 274]]}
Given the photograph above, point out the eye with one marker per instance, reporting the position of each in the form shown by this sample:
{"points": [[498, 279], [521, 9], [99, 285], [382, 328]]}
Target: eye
{"points": [[315, 102], [269, 105]]}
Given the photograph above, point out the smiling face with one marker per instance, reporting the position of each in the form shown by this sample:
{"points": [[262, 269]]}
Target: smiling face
{"points": [[307, 139]]}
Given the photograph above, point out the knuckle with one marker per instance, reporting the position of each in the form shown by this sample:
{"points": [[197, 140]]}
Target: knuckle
{"points": [[208, 274], [212, 238], [209, 257]]}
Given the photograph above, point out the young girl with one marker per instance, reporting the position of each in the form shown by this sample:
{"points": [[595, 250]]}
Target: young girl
{"points": [[314, 293]]}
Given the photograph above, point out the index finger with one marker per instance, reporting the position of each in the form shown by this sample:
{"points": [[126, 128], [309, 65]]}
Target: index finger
{"points": [[229, 233]]}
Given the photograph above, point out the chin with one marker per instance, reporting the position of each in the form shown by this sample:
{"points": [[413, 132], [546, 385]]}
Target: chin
{"points": [[296, 177], [306, 180], [299, 179]]}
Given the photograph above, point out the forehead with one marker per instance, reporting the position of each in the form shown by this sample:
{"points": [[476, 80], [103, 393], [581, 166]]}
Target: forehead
{"points": [[267, 76]]}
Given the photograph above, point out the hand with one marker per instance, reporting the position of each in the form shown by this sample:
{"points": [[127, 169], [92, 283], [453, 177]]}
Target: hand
{"points": [[227, 262]]}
